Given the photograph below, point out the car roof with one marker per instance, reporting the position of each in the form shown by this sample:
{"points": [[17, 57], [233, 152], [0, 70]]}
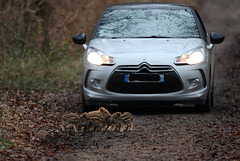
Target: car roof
{"points": [[150, 5]]}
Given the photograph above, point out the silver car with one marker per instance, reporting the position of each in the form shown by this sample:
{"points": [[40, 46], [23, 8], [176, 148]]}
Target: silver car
{"points": [[148, 53]]}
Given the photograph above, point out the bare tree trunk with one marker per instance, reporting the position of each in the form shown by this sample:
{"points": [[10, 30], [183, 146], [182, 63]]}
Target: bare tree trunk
{"points": [[44, 13]]}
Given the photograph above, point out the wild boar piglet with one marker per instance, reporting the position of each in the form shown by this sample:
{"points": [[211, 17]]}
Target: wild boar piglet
{"points": [[101, 113], [75, 120], [96, 124], [120, 121]]}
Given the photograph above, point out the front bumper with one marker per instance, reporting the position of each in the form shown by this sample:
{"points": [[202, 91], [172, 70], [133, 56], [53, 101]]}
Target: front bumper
{"points": [[96, 91], [94, 98]]}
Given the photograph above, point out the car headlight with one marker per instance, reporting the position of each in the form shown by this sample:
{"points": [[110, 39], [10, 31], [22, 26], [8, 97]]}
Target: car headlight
{"points": [[97, 57], [195, 56]]}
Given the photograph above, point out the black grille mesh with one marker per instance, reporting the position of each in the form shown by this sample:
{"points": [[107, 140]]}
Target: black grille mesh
{"points": [[117, 82]]}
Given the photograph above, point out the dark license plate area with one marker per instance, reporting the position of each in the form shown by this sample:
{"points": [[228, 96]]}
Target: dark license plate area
{"points": [[124, 83], [142, 77]]}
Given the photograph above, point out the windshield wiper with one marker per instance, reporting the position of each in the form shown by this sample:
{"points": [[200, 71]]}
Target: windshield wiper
{"points": [[154, 37], [142, 37]]}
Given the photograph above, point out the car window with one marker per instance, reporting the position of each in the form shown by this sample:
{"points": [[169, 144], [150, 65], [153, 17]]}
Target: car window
{"points": [[129, 23]]}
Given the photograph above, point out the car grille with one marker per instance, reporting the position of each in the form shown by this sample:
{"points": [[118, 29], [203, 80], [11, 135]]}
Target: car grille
{"points": [[144, 79]]}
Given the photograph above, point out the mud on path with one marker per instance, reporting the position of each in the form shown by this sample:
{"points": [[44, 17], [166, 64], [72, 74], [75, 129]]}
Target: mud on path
{"points": [[159, 133], [182, 133]]}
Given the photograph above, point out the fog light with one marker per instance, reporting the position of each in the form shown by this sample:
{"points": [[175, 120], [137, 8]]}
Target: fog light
{"points": [[194, 82], [95, 83]]}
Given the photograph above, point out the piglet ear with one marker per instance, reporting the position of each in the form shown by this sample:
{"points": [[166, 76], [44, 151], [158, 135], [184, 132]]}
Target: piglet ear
{"points": [[85, 115], [102, 109], [118, 113]]}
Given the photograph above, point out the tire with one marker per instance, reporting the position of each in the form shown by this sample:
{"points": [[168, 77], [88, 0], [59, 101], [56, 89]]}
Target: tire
{"points": [[85, 108], [207, 107], [209, 104]]}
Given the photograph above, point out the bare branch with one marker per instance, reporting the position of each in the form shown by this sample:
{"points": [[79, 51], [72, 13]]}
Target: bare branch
{"points": [[26, 42]]}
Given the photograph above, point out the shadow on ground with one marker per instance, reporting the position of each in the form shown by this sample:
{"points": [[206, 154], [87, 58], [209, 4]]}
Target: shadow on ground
{"points": [[156, 109]]}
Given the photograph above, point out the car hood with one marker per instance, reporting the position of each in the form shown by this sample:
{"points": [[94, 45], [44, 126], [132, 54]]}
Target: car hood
{"points": [[152, 50]]}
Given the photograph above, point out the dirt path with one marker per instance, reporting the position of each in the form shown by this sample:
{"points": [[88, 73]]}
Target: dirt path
{"points": [[182, 133]]}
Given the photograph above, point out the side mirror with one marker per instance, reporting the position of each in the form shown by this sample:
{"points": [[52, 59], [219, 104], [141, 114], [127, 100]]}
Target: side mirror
{"points": [[216, 38], [79, 38]]}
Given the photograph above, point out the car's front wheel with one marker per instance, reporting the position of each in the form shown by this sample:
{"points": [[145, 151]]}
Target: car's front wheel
{"points": [[207, 107], [85, 108]]}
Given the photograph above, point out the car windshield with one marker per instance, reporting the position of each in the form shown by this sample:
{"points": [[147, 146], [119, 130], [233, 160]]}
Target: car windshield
{"points": [[147, 23]]}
